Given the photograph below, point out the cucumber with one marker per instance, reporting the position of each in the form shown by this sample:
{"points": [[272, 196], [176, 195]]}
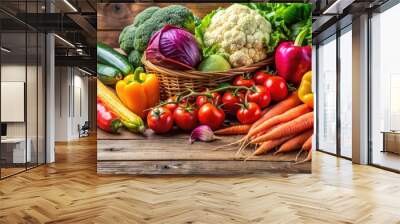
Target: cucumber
{"points": [[108, 75], [109, 56]]}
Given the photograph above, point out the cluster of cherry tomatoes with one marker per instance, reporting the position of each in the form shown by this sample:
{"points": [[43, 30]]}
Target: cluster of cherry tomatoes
{"points": [[245, 100]]}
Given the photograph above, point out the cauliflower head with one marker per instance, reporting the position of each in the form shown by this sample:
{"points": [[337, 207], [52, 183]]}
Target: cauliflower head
{"points": [[240, 33]]}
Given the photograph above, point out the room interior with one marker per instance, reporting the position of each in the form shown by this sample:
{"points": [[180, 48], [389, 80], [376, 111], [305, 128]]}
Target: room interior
{"points": [[48, 93], [29, 59]]}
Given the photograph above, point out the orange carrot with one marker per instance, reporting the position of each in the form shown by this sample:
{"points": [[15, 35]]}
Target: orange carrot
{"points": [[269, 145], [246, 143], [279, 108], [309, 158], [293, 127], [285, 117], [308, 144], [240, 129], [294, 143]]}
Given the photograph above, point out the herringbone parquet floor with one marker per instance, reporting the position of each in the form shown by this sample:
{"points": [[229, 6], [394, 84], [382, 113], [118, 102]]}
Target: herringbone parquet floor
{"points": [[69, 191]]}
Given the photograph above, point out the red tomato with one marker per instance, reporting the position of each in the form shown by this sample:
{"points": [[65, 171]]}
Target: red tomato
{"points": [[160, 120], [216, 99], [211, 115], [277, 88], [185, 118], [260, 96], [243, 81], [248, 113], [231, 101], [260, 77], [171, 106]]}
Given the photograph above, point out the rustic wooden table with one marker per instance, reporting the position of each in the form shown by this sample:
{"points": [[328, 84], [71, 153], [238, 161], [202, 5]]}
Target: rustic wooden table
{"points": [[129, 153]]}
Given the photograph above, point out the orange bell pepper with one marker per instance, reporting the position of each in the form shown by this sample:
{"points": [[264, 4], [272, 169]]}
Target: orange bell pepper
{"points": [[139, 92]]}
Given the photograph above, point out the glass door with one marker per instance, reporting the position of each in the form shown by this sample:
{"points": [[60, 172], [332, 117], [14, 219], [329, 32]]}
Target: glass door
{"points": [[345, 60], [385, 89], [14, 153], [326, 81], [32, 98], [41, 97], [22, 95]]}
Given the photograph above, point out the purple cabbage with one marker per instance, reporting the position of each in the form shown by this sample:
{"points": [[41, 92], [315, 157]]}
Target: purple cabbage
{"points": [[174, 48]]}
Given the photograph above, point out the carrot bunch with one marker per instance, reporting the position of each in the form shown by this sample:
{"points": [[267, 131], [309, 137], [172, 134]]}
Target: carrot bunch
{"points": [[285, 127]]}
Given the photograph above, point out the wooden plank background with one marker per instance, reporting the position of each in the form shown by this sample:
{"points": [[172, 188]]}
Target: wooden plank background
{"points": [[113, 17]]}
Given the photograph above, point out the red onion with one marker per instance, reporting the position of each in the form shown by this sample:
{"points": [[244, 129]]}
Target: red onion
{"points": [[202, 133]]}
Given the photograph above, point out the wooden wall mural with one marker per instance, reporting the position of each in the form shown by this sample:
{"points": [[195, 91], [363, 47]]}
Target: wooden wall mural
{"points": [[159, 143]]}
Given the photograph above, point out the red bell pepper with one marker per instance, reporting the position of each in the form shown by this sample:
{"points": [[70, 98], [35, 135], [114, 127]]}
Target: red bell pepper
{"points": [[107, 120], [293, 60]]}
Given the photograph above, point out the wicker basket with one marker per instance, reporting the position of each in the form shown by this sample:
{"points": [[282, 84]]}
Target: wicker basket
{"points": [[176, 81]]}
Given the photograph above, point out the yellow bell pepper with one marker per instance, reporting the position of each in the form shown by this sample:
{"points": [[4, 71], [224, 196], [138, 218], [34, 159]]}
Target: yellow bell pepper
{"points": [[305, 90], [139, 92]]}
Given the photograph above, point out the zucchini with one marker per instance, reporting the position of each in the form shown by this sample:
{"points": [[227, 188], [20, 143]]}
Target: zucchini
{"points": [[109, 56], [108, 75], [111, 101]]}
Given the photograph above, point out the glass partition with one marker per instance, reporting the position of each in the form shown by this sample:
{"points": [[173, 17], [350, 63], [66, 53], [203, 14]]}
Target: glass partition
{"points": [[15, 152], [22, 77], [346, 94], [327, 95], [41, 97], [31, 98], [385, 89]]}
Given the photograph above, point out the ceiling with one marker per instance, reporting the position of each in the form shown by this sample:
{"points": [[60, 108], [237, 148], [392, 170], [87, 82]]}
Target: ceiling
{"points": [[332, 15], [76, 22], [72, 20]]}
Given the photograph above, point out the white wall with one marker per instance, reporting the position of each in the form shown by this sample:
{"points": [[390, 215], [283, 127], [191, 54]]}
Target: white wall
{"points": [[33, 127], [61, 103], [80, 110], [71, 94], [15, 73]]}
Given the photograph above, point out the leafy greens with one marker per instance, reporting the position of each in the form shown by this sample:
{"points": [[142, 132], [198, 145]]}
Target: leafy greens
{"points": [[199, 34], [287, 20]]}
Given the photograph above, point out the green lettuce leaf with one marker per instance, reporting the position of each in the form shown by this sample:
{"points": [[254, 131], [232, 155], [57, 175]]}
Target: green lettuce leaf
{"points": [[287, 20], [199, 34]]}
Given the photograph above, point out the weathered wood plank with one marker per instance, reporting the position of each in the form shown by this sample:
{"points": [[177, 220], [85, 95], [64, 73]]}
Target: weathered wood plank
{"points": [[148, 135], [108, 37], [178, 149], [115, 16], [200, 167]]}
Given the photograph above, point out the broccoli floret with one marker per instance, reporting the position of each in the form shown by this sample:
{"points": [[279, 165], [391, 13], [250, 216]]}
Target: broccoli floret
{"points": [[135, 58], [127, 38], [144, 15], [143, 35], [197, 21], [175, 15]]}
